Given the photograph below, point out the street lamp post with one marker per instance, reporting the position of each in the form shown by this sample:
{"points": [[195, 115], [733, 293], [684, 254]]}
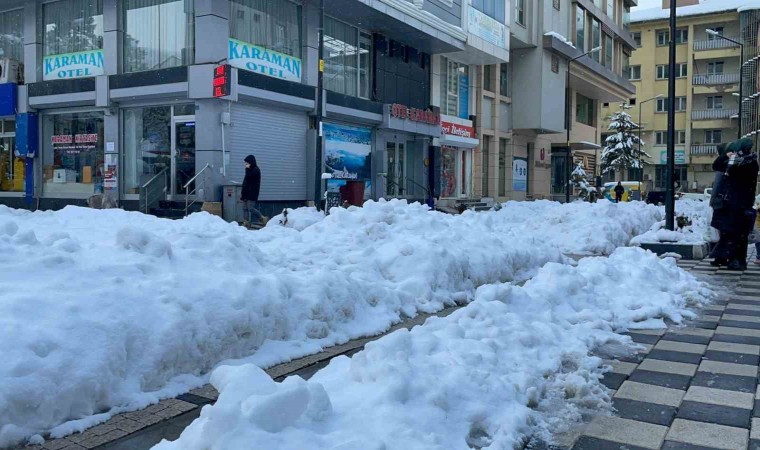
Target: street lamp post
{"points": [[568, 162], [641, 167], [741, 71]]}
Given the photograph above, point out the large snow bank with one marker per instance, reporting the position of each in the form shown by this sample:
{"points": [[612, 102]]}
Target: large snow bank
{"points": [[516, 362], [700, 215]]}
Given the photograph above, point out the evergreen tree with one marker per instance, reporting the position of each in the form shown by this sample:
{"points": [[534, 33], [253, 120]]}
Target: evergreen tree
{"points": [[621, 149], [580, 180]]}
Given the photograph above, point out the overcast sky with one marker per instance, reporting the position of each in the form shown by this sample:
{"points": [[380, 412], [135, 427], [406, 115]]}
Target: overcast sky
{"points": [[643, 4]]}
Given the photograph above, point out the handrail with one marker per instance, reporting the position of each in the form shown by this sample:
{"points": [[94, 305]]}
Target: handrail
{"points": [[146, 190], [715, 79], [713, 114], [196, 176], [197, 187], [145, 186], [393, 183]]}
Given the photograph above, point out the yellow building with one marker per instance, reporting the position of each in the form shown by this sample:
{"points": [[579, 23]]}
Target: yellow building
{"points": [[707, 90]]}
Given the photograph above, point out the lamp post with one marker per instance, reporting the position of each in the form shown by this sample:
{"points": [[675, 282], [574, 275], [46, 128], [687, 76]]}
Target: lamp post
{"points": [[741, 71], [641, 167], [568, 162], [670, 199]]}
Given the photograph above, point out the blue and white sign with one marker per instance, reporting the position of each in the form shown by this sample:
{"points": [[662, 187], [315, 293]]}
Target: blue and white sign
{"points": [[264, 61], [464, 96], [487, 28], [680, 157], [520, 175], [73, 65]]}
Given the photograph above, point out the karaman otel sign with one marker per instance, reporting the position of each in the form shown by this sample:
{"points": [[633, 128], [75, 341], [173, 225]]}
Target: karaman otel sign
{"points": [[264, 61], [73, 65]]}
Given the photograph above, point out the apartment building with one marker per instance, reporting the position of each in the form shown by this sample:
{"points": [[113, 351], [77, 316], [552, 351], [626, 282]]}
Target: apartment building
{"points": [[521, 105], [707, 87]]}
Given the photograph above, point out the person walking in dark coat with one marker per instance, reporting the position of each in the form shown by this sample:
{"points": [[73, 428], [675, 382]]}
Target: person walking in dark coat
{"points": [[250, 191], [735, 217], [619, 191]]}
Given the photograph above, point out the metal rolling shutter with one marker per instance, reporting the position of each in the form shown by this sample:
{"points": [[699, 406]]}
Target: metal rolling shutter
{"points": [[277, 138]]}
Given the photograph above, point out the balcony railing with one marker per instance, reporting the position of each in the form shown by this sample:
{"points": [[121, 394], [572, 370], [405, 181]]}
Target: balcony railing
{"points": [[716, 79], [714, 114], [704, 149], [714, 44]]}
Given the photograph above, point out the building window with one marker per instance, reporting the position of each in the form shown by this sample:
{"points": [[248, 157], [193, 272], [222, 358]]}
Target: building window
{"points": [[484, 167], [637, 38], [682, 35], [580, 28], [147, 145], [715, 102], [608, 50], [632, 102], [12, 34], [72, 156], [682, 70], [713, 136], [555, 63], [680, 104], [12, 167], [663, 37], [611, 9], [72, 27], [680, 137], [661, 138], [520, 12], [661, 172], [556, 4], [596, 39], [504, 79], [491, 8], [488, 78], [662, 71], [634, 73], [502, 167], [347, 59], [584, 110], [454, 88], [715, 68], [271, 25], [158, 34], [719, 30]]}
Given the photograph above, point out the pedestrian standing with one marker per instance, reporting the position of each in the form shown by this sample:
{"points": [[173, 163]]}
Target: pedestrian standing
{"points": [[250, 192], [619, 191], [756, 232]]}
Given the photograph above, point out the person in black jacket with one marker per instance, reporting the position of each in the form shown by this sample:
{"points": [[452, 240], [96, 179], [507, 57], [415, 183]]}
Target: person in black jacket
{"points": [[250, 191], [734, 216], [619, 191]]}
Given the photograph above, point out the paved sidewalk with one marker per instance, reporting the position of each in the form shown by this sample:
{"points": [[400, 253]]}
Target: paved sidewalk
{"points": [[693, 387]]}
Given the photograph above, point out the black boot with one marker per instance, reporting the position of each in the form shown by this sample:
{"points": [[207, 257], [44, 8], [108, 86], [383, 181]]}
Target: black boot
{"points": [[717, 262], [736, 265]]}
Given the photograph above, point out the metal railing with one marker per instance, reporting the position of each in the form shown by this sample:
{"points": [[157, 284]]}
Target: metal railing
{"points": [[714, 44], [399, 188], [704, 149], [153, 191], [716, 79], [714, 114], [196, 188]]}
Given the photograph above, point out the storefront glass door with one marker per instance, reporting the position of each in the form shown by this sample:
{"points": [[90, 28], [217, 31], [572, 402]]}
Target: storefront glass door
{"points": [[455, 172], [396, 179], [11, 167], [183, 152]]}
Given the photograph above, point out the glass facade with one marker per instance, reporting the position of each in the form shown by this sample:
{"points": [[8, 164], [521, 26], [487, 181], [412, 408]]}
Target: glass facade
{"points": [[584, 110], [12, 168], [12, 34], [271, 24], [348, 53], [72, 26], [596, 39], [454, 82], [158, 34], [72, 153], [580, 28], [493, 8], [485, 166], [147, 145]]}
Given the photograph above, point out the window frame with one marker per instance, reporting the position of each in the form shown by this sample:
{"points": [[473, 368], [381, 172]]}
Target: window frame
{"points": [[682, 70], [143, 68], [360, 33], [712, 66], [714, 102], [665, 71], [711, 134], [20, 44], [661, 138], [636, 36], [521, 14], [719, 30], [665, 34], [682, 36], [580, 32], [631, 70]]}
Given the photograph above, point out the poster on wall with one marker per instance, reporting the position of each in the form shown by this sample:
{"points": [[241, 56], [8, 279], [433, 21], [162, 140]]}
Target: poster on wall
{"points": [[73, 144], [264, 61], [464, 96], [110, 177], [348, 156], [520, 175], [487, 28], [73, 65], [680, 157]]}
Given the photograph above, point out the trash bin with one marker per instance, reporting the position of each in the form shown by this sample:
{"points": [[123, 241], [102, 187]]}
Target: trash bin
{"points": [[352, 192]]}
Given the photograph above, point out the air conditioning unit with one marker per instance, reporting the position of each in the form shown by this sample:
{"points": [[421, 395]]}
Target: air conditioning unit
{"points": [[9, 70]]}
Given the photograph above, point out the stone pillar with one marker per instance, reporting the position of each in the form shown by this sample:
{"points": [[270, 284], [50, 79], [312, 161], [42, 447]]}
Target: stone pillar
{"points": [[212, 30], [310, 49], [32, 43], [113, 36]]}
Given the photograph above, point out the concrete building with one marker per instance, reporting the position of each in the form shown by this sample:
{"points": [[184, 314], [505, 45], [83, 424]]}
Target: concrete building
{"points": [[707, 87], [116, 97], [521, 106]]}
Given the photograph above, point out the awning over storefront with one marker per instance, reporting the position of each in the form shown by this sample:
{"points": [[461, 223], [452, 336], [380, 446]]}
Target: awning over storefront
{"points": [[457, 132]]}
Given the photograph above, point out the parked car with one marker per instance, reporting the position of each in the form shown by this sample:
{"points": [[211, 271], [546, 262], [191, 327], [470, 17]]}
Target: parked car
{"points": [[632, 190]]}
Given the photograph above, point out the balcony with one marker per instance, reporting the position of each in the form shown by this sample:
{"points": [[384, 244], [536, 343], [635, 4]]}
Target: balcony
{"points": [[714, 44], [715, 79], [714, 114], [704, 149]]}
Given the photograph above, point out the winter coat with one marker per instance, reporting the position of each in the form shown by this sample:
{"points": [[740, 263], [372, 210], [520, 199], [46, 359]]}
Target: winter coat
{"points": [[737, 190], [619, 191], [252, 181], [719, 167]]}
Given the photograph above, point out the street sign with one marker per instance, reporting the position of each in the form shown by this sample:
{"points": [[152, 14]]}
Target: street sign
{"points": [[222, 80]]}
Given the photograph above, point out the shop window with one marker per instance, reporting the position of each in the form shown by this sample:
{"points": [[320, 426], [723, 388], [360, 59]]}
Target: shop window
{"points": [[12, 168], [73, 39], [455, 88], [73, 153], [147, 145], [158, 34], [271, 25], [347, 59], [12, 34], [502, 167], [584, 110]]}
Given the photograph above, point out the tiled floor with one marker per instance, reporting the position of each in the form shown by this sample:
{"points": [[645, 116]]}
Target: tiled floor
{"points": [[692, 388]]}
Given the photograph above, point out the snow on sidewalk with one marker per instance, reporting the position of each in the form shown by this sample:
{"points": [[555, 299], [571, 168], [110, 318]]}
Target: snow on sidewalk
{"points": [[513, 363], [108, 311]]}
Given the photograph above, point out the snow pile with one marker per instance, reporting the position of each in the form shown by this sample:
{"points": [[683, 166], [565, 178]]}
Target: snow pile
{"points": [[562, 39], [704, 7], [128, 308], [297, 219], [697, 212], [512, 364]]}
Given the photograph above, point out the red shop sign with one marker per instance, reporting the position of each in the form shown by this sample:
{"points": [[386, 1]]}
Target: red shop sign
{"points": [[454, 129], [415, 114]]}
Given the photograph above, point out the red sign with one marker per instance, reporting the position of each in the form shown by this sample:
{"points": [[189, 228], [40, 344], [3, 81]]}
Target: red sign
{"points": [[222, 80], [543, 154], [454, 129], [415, 114]]}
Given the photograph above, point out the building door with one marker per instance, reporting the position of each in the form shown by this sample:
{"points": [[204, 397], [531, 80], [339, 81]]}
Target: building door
{"points": [[396, 178], [456, 176], [11, 168], [183, 155]]}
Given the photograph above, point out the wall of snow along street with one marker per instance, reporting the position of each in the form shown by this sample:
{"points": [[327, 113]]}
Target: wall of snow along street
{"points": [[108, 311], [514, 363]]}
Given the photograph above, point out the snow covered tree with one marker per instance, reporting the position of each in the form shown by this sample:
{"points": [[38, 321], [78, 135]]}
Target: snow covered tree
{"points": [[579, 179], [621, 149]]}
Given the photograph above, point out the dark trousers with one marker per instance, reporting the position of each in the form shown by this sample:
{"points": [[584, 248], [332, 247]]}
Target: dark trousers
{"points": [[251, 210], [732, 246], [757, 251]]}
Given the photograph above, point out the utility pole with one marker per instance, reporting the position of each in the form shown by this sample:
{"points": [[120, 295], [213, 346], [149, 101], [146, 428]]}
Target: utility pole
{"points": [[670, 200], [320, 109]]}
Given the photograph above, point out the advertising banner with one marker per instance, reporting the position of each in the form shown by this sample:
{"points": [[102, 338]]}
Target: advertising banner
{"points": [[520, 175], [487, 28], [348, 155], [680, 157], [264, 61], [73, 65]]}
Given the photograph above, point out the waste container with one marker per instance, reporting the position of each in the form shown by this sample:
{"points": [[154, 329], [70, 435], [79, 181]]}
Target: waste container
{"points": [[353, 192]]}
